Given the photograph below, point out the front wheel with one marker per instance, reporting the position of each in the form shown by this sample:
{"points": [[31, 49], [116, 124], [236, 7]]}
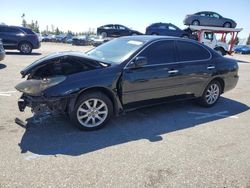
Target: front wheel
{"points": [[92, 111], [211, 94]]}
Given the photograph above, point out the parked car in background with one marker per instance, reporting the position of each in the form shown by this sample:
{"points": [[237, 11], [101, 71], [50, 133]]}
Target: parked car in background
{"points": [[123, 74], [115, 30], [166, 29], [243, 49], [207, 18], [81, 40], [2, 52], [19, 38]]}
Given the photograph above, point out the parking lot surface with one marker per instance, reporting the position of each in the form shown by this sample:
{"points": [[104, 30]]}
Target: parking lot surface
{"points": [[171, 145]]}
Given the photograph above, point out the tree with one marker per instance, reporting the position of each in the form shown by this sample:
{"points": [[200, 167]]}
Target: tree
{"points": [[57, 32], [248, 40], [24, 23]]}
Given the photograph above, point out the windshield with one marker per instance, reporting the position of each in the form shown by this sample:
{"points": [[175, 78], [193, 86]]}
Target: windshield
{"points": [[117, 50]]}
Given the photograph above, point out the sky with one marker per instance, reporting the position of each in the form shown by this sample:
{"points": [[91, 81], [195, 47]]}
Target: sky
{"points": [[80, 15]]}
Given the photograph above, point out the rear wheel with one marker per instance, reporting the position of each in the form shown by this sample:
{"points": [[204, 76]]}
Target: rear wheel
{"points": [[104, 34], [92, 111], [221, 51], [25, 48], [227, 25], [196, 22], [211, 94]]}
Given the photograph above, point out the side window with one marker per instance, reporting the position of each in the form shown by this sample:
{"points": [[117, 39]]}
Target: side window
{"points": [[12, 30], [208, 36], [160, 52], [122, 28], [162, 27], [189, 51], [216, 15], [171, 28]]}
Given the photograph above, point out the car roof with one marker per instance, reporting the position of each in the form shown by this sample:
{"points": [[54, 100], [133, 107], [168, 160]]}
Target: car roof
{"points": [[148, 38]]}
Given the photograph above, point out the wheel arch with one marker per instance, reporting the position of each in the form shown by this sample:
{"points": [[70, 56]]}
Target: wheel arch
{"points": [[24, 41], [110, 94]]}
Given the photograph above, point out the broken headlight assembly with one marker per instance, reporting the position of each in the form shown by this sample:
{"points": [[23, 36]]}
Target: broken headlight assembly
{"points": [[36, 87]]}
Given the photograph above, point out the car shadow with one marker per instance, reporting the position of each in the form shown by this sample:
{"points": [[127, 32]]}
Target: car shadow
{"points": [[2, 66], [57, 136], [18, 53]]}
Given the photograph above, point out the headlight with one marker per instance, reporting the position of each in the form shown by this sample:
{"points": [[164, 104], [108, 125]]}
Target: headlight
{"points": [[35, 87]]}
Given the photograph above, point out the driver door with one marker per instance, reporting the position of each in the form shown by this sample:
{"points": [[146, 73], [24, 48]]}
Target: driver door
{"points": [[160, 77]]}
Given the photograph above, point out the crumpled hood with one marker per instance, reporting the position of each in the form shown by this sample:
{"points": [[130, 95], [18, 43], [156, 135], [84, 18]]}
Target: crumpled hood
{"points": [[42, 61]]}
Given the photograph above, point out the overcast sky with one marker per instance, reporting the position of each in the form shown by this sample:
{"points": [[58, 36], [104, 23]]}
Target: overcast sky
{"points": [[80, 15]]}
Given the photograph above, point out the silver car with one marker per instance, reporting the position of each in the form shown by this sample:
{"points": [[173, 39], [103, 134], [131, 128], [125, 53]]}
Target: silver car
{"points": [[209, 19]]}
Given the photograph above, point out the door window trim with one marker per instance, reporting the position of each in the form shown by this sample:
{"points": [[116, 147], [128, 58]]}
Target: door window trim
{"points": [[177, 62]]}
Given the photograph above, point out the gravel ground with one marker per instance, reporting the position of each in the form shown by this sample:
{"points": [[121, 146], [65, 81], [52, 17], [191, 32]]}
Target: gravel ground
{"points": [[172, 145]]}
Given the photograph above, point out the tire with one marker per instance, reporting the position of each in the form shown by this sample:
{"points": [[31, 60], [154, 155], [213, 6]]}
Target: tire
{"points": [[221, 51], [211, 94], [92, 111], [104, 34], [227, 25], [196, 22], [25, 48]]}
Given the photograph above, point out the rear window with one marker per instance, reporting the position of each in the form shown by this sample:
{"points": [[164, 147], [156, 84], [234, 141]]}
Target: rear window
{"points": [[28, 31], [189, 51]]}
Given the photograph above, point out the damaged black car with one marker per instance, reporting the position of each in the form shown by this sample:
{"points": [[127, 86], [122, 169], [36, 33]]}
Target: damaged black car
{"points": [[125, 74]]}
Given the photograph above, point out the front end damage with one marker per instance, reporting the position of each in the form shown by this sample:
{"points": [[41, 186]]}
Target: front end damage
{"points": [[42, 104], [34, 96]]}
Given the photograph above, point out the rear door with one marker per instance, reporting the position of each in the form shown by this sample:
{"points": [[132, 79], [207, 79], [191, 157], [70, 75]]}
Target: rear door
{"points": [[123, 31], [160, 78], [197, 66], [10, 36]]}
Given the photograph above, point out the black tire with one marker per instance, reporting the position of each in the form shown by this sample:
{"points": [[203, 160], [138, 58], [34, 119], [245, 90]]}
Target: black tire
{"points": [[81, 104], [196, 22], [203, 101], [104, 34], [25, 48], [227, 25], [221, 51]]}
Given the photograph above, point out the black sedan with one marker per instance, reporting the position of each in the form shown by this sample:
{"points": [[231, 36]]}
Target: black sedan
{"points": [[124, 74], [115, 30]]}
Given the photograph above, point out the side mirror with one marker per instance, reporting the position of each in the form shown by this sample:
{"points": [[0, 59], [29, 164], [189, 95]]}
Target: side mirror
{"points": [[139, 62]]}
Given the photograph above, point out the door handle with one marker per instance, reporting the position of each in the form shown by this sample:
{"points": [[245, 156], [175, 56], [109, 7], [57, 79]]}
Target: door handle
{"points": [[173, 71], [210, 67]]}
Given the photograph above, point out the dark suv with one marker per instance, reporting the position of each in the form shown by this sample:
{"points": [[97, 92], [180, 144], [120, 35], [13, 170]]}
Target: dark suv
{"points": [[166, 29], [115, 30], [20, 38]]}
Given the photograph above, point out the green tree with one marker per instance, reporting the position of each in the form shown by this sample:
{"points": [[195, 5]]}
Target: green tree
{"points": [[24, 22], [248, 40]]}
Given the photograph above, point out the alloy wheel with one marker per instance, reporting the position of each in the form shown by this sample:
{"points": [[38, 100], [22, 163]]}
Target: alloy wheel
{"points": [[92, 113], [212, 94], [25, 48]]}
